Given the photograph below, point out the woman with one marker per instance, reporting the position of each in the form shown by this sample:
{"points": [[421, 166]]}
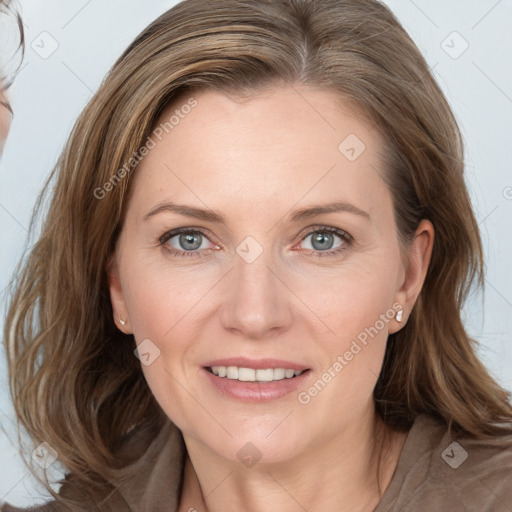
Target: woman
{"points": [[253, 266]]}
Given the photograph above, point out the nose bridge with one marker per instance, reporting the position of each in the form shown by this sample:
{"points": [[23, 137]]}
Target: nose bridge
{"points": [[257, 301]]}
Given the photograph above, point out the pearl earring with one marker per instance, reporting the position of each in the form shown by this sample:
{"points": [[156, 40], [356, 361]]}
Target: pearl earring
{"points": [[122, 322], [399, 315]]}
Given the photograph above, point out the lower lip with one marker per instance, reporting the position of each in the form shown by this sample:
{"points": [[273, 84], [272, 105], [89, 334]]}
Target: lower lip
{"points": [[256, 391]]}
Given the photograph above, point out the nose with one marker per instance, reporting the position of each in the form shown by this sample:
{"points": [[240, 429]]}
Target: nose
{"points": [[258, 302]]}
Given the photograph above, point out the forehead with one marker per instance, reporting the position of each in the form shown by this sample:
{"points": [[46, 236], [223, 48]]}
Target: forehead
{"points": [[284, 144]]}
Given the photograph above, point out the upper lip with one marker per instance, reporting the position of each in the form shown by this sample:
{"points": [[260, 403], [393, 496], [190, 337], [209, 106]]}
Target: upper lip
{"points": [[257, 364]]}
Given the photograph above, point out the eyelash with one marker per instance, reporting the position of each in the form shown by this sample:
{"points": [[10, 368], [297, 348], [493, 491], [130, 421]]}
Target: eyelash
{"points": [[197, 253]]}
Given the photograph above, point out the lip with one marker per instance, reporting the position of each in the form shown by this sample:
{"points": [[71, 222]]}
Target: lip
{"points": [[255, 391], [257, 364]]}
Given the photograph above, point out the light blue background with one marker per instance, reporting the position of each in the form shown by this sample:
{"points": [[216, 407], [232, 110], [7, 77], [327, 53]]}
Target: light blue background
{"points": [[49, 93]]}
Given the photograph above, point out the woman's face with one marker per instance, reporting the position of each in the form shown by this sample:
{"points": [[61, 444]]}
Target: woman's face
{"points": [[275, 283]]}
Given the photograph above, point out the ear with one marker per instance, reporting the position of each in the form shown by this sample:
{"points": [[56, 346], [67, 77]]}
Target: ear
{"points": [[418, 259], [119, 308]]}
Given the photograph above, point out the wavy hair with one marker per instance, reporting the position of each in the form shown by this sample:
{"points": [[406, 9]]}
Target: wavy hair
{"points": [[73, 377]]}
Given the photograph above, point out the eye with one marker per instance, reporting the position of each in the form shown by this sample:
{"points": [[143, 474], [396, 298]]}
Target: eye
{"points": [[184, 242], [323, 239], [192, 243]]}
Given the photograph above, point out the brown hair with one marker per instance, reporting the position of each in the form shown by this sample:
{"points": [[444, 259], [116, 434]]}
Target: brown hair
{"points": [[74, 379]]}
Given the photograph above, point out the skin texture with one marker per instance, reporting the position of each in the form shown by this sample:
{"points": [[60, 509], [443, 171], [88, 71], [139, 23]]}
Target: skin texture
{"points": [[5, 119], [255, 161]]}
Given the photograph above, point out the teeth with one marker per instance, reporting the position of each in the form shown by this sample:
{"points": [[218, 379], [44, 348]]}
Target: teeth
{"points": [[252, 375], [232, 372], [247, 374], [265, 375], [279, 373]]}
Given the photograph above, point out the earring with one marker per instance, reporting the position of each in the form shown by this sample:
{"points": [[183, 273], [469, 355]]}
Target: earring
{"points": [[399, 315], [122, 322]]}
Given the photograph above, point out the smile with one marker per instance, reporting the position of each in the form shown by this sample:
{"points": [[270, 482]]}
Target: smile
{"points": [[252, 374]]}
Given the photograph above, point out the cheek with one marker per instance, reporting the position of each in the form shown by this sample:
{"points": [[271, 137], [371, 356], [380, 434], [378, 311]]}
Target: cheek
{"points": [[162, 305], [359, 312], [169, 304], [357, 307], [159, 299], [354, 298]]}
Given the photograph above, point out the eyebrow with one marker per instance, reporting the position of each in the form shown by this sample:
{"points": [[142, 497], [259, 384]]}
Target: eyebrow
{"points": [[216, 217]]}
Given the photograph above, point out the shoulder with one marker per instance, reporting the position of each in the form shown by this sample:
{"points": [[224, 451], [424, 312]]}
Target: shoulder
{"points": [[482, 471], [454, 472], [46, 507], [76, 498], [152, 460]]}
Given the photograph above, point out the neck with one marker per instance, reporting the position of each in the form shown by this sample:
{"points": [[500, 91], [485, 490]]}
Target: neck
{"points": [[353, 468]]}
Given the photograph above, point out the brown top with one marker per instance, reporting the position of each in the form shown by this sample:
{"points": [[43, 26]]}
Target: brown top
{"points": [[434, 473]]}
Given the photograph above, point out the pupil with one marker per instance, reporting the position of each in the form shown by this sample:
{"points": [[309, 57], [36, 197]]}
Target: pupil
{"points": [[322, 238], [189, 239]]}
